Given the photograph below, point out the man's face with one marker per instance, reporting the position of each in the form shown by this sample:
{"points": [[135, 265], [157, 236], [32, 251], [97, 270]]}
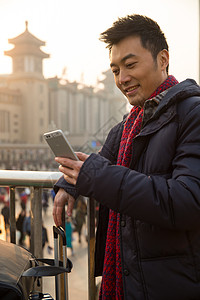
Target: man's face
{"points": [[136, 73]]}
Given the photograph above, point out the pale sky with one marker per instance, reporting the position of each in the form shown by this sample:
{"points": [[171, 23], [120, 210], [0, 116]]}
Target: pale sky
{"points": [[71, 31]]}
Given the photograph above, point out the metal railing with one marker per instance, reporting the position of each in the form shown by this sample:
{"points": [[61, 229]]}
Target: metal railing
{"points": [[36, 181]]}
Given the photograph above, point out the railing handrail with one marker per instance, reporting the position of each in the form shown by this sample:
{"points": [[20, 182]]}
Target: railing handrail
{"points": [[44, 179]]}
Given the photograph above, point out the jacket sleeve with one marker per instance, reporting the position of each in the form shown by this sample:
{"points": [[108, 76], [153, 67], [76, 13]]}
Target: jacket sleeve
{"points": [[69, 188], [170, 203]]}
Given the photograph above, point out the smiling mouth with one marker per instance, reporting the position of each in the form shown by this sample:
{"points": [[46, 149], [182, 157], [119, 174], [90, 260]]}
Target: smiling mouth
{"points": [[133, 88]]}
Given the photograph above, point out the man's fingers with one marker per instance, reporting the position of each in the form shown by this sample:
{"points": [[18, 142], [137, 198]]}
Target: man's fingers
{"points": [[58, 216], [71, 168], [69, 163], [70, 175], [57, 213], [61, 198], [82, 156], [59, 203], [70, 179], [70, 205], [55, 216]]}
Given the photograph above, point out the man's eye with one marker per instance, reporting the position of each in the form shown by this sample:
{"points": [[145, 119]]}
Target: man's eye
{"points": [[130, 65], [115, 71]]}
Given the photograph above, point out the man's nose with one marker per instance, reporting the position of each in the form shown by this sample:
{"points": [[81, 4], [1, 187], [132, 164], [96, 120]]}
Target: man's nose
{"points": [[124, 77]]}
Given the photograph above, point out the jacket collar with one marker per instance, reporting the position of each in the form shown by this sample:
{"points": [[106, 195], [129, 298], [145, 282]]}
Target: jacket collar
{"points": [[180, 91], [150, 106], [166, 109]]}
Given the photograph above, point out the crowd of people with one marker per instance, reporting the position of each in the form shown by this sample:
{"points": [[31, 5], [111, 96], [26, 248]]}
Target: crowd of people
{"points": [[23, 218]]}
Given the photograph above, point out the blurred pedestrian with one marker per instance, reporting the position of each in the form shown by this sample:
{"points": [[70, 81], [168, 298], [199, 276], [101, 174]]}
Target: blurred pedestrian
{"points": [[27, 227], [45, 200], [44, 236], [20, 222], [52, 195], [45, 239], [2, 228], [69, 231], [24, 197], [3, 193], [6, 214], [81, 211]]}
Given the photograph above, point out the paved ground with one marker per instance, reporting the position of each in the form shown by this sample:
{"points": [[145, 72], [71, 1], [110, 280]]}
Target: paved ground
{"points": [[77, 279]]}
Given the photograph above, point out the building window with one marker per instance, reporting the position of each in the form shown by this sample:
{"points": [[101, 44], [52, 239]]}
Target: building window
{"points": [[41, 88], [4, 121], [29, 63]]}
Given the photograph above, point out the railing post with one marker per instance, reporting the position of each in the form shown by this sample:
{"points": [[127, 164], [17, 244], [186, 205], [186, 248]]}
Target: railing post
{"points": [[91, 248], [36, 222], [12, 216]]}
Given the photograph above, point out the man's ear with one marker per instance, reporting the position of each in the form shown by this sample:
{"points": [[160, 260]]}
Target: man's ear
{"points": [[163, 59]]}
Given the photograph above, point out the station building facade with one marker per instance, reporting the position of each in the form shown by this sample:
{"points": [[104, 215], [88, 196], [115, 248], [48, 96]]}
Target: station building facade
{"points": [[31, 105]]}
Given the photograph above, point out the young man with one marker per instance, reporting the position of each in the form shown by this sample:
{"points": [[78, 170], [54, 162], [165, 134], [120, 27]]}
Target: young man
{"points": [[147, 175]]}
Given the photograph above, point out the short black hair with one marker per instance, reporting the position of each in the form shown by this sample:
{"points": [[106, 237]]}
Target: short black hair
{"points": [[152, 37]]}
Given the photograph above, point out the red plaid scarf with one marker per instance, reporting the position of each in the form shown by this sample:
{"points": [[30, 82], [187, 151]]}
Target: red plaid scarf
{"points": [[112, 285]]}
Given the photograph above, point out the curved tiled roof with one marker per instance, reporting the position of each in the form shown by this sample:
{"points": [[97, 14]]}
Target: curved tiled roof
{"points": [[26, 43], [25, 38]]}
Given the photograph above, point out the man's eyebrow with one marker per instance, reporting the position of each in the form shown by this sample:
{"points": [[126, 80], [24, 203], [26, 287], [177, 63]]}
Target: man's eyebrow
{"points": [[130, 55]]}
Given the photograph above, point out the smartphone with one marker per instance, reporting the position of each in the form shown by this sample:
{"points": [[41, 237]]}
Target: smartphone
{"points": [[59, 144]]}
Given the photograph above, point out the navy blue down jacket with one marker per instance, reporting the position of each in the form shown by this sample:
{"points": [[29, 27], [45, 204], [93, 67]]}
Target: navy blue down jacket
{"points": [[158, 198]]}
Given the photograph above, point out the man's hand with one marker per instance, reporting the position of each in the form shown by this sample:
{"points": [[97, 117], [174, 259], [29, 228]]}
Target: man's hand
{"points": [[71, 168], [61, 198]]}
